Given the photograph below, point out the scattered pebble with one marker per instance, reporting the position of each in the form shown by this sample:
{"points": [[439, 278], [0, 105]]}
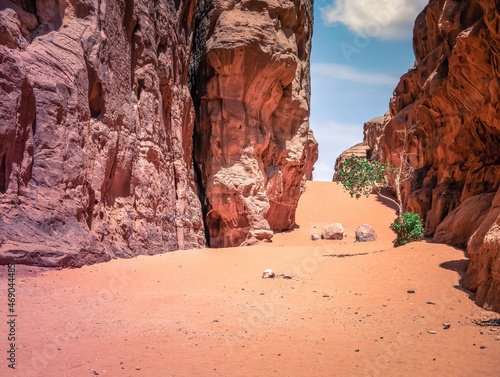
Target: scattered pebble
{"points": [[482, 347], [315, 237], [432, 332], [268, 274], [430, 303], [446, 326], [410, 291]]}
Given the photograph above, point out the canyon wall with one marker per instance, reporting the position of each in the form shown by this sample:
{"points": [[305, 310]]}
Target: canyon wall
{"points": [[452, 95], [253, 145], [97, 129]]}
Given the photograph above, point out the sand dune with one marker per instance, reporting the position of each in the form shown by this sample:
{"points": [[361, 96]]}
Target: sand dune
{"points": [[345, 312]]}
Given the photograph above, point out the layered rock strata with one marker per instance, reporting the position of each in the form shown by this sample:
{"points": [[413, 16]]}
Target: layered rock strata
{"points": [[251, 86], [97, 129], [452, 94]]}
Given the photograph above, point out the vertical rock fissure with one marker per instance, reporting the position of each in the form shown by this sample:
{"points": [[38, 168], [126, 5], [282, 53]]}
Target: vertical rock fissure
{"points": [[3, 175], [197, 51], [201, 192]]}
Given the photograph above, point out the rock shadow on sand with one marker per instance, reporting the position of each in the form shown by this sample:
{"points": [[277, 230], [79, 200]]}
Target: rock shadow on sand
{"points": [[460, 267]]}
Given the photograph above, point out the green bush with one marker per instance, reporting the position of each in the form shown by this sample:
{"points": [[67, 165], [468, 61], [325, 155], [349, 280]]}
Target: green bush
{"points": [[411, 230], [360, 176]]}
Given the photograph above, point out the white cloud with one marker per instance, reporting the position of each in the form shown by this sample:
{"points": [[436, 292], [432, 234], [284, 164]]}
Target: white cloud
{"points": [[384, 19], [348, 73]]}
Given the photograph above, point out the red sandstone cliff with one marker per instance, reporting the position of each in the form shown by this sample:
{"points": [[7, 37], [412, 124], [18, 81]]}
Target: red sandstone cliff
{"points": [[253, 144], [453, 93], [97, 129]]}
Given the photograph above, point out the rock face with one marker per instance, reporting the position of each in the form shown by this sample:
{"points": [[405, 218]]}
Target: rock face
{"points": [[253, 145], [97, 129], [369, 145], [453, 94], [483, 274]]}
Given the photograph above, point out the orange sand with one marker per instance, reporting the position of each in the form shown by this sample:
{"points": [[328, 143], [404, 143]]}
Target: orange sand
{"points": [[209, 313]]}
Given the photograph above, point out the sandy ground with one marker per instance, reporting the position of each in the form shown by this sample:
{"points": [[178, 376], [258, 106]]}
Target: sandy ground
{"points": [[209, 312]]}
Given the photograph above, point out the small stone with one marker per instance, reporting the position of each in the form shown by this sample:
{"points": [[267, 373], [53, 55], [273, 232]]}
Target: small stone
{"points": [[268, 274], [356, 350], [446, 326], [289, 277], [315, 237], [410, 291], [430, 303], [432, 332], [482, 347]]}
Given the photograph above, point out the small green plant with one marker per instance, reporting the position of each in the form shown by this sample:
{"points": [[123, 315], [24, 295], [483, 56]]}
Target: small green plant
{"points": [[360, 176], [409, 229]]}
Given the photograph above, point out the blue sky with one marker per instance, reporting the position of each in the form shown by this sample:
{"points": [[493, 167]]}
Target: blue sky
{"points": [[360, 50]]}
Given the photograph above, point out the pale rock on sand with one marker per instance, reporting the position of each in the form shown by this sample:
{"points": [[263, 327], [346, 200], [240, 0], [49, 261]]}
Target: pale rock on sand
{"points": [[365, 233], [333, 232]]}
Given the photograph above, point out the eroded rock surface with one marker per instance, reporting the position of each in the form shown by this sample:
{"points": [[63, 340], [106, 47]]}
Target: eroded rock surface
{"points": [[97, 125], [253, 145], [453, 93]]}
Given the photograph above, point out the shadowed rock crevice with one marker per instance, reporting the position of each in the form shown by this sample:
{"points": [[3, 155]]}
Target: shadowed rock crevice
{"points": [[3, 174]]}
